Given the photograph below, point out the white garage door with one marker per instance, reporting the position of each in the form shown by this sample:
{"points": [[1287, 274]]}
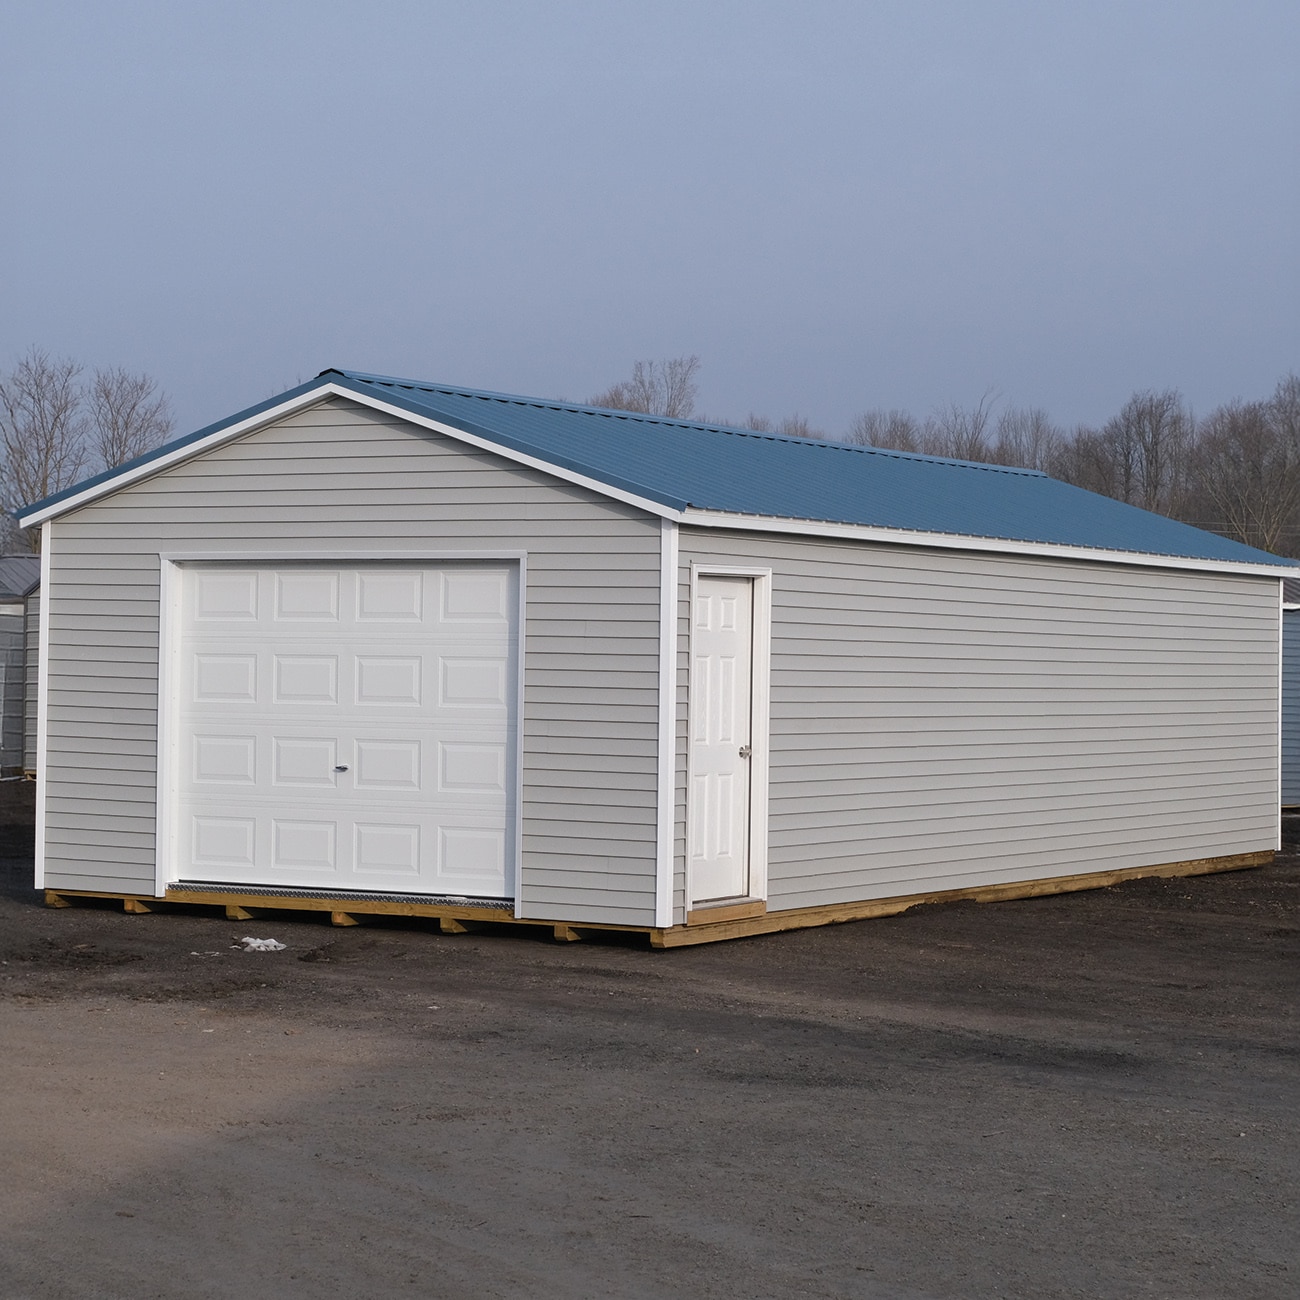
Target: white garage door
{"points": [[349, 727]]}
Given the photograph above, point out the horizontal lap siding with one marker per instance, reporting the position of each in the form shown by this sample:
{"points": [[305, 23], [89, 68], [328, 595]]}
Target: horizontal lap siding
{"points": [[1291, 707], [942, 720], [339, 478], [31, 671]]}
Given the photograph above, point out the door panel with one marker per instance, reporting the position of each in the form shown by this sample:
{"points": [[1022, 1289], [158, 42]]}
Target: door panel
{"points": [[722, 636]]}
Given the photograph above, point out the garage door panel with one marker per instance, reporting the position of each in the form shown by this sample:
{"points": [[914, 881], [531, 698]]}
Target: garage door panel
{"points": [[308, 761], [224, 679], [389, 680], [389, 765], [301, 844], [223, 596], [224, 759], [350, 726], [223, 843], [389, 848], [469, 856], [305, 679], [470, 599], [390, 597], [472, 767], [310, 595]]}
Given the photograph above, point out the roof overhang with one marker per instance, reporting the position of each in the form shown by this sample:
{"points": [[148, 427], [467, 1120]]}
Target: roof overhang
{"points": [[959, 542], [681, 512]]}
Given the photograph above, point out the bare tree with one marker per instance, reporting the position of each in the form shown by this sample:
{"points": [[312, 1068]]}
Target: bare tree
{"points": [[1139, 456], [1026, 438], [1148, 439], [960, 432], [894, 430], [664, 388], [796, 426], [54, 430], [129, 415], [1245, 470], [43, 430]]}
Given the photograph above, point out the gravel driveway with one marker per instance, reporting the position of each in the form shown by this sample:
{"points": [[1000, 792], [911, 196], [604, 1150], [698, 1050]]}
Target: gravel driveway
{"points": [[1093, 1095]]}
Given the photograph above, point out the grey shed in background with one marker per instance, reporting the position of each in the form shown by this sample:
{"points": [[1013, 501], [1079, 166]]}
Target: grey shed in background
{"points": [[20, 581], [1290, 692]]}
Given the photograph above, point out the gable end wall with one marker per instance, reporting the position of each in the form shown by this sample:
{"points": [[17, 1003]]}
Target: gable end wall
{"points": [[338, 477]]}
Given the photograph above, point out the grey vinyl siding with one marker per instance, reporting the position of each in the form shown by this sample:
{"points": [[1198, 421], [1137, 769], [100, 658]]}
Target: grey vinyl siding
{"points": [[947, 719], [31, 677], [341, 478], [13, 685], [1291, 707]]}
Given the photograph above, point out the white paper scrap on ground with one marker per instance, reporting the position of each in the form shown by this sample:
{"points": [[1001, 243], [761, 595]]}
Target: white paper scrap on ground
{"points": [[249, 944]]}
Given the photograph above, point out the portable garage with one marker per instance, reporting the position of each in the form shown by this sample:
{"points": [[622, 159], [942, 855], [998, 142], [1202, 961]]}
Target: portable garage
{"points": [[379, 645]]}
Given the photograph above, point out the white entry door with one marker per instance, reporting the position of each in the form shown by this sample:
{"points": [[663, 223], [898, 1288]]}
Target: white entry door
{"points": [[349, 727], [722, 654]]}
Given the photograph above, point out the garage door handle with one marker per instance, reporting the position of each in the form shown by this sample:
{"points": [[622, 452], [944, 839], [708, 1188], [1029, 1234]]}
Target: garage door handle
{"points": [[342, 768]]}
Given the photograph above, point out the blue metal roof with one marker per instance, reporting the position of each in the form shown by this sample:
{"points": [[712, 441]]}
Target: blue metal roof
{"points": [[681, 464]]}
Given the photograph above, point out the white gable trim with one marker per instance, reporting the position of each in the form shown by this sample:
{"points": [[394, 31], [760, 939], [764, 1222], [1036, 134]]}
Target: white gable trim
{"points": [[690, 516], [262, 419]]}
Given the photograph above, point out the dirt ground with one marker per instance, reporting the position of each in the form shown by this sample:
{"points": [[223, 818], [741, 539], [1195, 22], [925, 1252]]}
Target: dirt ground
{"points": [[1093, 1095]]}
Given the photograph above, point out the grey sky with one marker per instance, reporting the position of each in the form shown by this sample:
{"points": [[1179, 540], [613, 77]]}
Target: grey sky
{"points": [[836, 205]]}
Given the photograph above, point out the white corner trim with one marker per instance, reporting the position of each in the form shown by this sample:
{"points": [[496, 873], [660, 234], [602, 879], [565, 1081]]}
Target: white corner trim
{"points": [[166, 787], [955, 542], [42, 705], [1281, 685], [665, 788], [521, 662]]}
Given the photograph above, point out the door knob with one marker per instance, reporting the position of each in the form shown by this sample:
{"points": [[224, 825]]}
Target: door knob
{"points": [[745, 751]]}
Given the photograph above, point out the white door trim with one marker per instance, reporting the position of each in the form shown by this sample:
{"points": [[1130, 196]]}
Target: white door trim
{"points": [[170, 619], [760, 722]]}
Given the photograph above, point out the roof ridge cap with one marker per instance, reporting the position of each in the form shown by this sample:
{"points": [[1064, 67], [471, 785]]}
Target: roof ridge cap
{"points": [[708, 426]]}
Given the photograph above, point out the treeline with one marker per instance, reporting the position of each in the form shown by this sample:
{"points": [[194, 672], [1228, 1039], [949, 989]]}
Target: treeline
{"points": [[59, 424], [1235, 471]]}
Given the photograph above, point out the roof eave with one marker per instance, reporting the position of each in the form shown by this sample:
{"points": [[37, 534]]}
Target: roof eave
{"points": [[996, 545], [333, 383]]}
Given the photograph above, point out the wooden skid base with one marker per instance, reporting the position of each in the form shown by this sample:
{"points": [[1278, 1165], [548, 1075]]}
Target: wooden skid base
{"points": [[460, 920], [801, 918]]}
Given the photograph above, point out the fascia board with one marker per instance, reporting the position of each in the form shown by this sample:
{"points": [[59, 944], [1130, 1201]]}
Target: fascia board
{"points": [[261, 417], [957, 542]]}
